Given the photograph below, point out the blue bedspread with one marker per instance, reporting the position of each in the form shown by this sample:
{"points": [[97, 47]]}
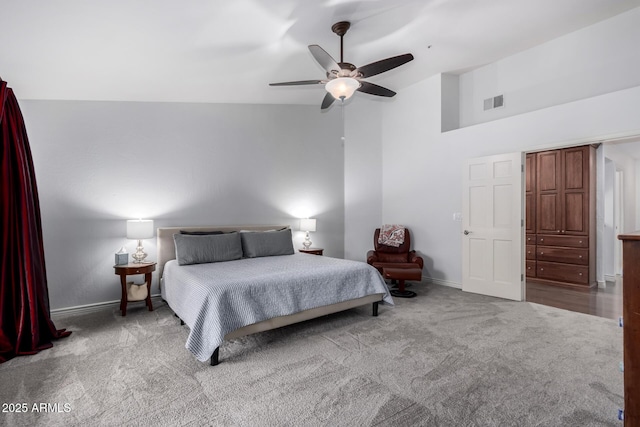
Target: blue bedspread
{"points": [[217, 298]]}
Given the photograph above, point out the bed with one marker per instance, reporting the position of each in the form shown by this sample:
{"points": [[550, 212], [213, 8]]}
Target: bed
{"points": [[230, 299]]}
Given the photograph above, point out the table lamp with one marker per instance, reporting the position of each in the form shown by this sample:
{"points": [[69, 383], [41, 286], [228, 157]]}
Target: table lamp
{"points": [[307, 224], [138, 229]]}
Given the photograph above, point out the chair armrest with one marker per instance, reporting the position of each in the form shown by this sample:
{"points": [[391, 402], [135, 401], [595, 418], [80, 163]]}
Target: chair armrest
{"points": [[372, 257], [416, 259]]}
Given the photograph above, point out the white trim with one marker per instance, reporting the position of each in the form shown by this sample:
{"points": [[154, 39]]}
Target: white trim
{"points": [[609, 278], [602, 284], [89, 307], [442, 282]]}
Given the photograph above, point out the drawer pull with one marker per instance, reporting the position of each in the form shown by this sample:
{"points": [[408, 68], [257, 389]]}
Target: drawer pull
{"points": [[580, 256], [579, 274], [541, 269], [542, 240], [580, 241], [541, 253]]}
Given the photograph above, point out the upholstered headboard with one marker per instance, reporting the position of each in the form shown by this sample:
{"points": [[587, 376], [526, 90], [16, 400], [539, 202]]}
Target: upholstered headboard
{"points": [[167, 248]]}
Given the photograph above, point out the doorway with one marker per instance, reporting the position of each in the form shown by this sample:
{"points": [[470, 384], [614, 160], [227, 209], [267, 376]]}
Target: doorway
{"points": [[621, 160]]}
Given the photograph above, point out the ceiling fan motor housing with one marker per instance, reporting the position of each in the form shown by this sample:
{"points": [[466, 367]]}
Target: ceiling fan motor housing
{"points": [[346, 70]]}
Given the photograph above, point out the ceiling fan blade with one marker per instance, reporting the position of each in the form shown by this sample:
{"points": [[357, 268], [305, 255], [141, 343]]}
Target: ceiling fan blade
{"points": [[374, 89], [327, 101], [384, 65], [324, 59], [298, 83]]}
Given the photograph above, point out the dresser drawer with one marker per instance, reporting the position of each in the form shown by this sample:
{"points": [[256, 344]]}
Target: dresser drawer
{"points": [[531, 268], [559, 240], [564, 255], [563, 272], [530, 252]]}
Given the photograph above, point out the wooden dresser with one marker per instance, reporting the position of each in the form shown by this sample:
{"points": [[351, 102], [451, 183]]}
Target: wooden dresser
{"points": [[631, 328], [560, 209]]}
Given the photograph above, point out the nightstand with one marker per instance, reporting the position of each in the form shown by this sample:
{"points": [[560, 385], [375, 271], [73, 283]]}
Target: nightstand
{"points": [[146, 268], [313, 251]]}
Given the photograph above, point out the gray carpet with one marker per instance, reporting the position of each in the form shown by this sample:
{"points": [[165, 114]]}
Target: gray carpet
{"points": [[445, 358]]}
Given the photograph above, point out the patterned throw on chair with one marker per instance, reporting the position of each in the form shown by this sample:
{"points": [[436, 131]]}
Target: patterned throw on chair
{"points": [[391, 235]]}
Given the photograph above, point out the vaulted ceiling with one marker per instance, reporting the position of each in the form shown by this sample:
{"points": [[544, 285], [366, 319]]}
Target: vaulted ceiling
{"points": [[215, 51]]}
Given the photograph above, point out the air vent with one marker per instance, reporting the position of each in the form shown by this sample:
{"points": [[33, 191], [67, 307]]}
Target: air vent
{"points": [[495, 102]]}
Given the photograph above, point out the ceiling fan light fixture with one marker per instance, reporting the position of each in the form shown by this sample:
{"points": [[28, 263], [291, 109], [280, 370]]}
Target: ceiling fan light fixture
{"points": [[342, 87]]}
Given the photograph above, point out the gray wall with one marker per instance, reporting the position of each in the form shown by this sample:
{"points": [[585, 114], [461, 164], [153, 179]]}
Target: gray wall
{"points": [[100, 163], [362, 175], [592, 61]]}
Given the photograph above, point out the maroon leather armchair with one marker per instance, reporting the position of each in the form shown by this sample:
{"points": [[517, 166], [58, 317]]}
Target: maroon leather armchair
{"points": [[399, 263], [389, 256]]}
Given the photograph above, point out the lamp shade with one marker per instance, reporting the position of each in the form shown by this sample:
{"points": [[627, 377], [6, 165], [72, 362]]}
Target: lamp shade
{"points": [[342, 87], [139, 229], [308, 224]]}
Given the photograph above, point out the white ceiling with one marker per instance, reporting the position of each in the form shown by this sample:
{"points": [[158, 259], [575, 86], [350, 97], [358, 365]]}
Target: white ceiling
{"points": [[215, 51]]}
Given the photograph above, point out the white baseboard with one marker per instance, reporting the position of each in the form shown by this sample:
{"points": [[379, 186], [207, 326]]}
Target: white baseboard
{"points": [[442, 282], [89, 307], [609, 277]]}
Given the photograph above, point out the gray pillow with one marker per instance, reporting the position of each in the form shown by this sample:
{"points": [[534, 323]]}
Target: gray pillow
{"points": [[268, 243], [201, 249]]}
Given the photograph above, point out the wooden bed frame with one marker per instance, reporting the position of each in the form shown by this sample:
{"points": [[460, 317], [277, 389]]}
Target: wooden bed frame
{"points": [[167, 252]]}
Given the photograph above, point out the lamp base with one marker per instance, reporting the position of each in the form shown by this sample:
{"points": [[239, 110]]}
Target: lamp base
{"points": [[140, 255], [307, 241]]}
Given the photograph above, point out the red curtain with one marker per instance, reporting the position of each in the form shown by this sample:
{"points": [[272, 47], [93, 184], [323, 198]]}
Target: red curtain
{"points": [[25, 319]]}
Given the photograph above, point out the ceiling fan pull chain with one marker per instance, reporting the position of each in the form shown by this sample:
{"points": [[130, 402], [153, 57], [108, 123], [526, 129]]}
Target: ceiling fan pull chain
{"points": [[343, 126]]}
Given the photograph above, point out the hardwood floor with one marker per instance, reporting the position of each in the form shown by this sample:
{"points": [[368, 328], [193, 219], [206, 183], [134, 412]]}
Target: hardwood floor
{"points": [[602, 302]]}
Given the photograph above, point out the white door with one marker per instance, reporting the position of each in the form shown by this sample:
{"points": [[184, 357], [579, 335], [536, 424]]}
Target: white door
{"points": [[493, 226]]}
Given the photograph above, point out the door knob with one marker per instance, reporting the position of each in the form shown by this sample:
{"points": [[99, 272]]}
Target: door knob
{"points": [[466, 232]]}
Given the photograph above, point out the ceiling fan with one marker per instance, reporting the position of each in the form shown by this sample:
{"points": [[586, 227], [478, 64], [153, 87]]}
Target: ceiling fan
{"points": [[343, 78]]}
